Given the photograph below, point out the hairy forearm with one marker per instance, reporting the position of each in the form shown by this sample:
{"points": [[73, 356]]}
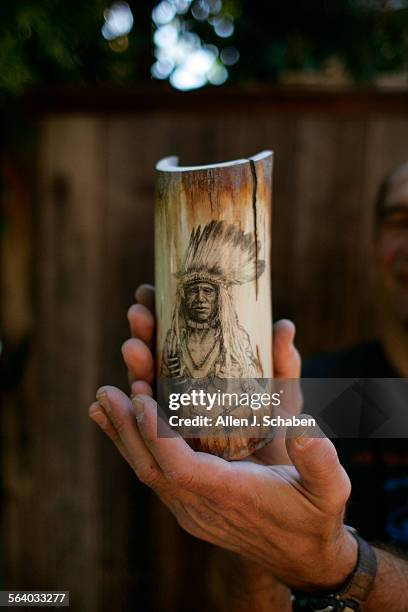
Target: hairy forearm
{"points": [[256, 589], [250, 587], [390, 588]]}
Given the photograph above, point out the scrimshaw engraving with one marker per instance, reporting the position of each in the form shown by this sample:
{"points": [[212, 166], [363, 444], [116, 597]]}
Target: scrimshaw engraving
{"points": [[206, 339]]}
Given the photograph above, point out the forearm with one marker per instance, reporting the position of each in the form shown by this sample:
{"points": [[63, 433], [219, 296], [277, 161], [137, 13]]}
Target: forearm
{"points": [[389, 592], [249, 587], [390, 588]]}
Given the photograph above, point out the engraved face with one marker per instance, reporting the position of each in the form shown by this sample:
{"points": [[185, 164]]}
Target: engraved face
{"points": [[201, 301], [218, 257]]}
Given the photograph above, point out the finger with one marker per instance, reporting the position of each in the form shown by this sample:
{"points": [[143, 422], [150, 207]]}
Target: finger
{"points": [[286, 356], [144, 294], [139, 360], [287, 364], [98, 415], [316, 460], [141, 322], [141, 387], [119, 409], [198, 472]]}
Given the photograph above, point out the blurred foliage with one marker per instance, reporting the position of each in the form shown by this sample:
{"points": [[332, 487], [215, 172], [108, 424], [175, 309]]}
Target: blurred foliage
{"points": [[55, 41], [49, 42], [367, 37]]}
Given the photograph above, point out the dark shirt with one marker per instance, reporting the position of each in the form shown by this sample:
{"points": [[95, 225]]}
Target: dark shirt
{"points": [[378, 468], [366, 360]]}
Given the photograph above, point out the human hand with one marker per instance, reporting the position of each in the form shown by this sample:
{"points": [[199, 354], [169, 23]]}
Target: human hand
{"points": [[287, 519], [117, 420], [254, 583]]}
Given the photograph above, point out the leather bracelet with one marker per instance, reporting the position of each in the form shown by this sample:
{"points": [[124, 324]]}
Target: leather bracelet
{"points": [[353, 593]]}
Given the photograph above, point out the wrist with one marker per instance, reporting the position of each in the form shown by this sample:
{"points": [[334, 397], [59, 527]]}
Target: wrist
{"points": [[354, 592], [334, 564], [261, 590], [250, 570]]}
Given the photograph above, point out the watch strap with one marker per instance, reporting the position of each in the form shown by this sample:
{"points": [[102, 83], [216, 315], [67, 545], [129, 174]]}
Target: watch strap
{"points": [[353, 593], [359, 585]]}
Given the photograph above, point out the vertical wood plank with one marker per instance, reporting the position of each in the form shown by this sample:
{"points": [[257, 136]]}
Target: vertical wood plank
{"points": [[325, 236], [17, 319], [71, 205]]}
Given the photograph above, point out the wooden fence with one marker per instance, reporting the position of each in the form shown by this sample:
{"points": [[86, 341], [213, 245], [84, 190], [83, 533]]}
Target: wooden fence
{"points": [[74, 517]]}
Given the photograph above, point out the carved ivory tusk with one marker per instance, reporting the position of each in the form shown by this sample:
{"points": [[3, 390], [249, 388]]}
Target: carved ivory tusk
{"points": [[213, 288]]}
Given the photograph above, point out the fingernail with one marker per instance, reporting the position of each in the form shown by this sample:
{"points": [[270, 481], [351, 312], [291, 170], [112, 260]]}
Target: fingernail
{"points": [[138, 405], [94, 408], [97, 414], [303, 440], [103, 398], [302, 436], [99, 418]]}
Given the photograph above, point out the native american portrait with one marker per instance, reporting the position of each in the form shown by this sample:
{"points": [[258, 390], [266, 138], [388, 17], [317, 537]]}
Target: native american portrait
{"points": [[205, 338]]}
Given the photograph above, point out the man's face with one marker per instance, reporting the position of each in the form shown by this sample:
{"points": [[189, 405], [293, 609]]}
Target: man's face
{"points": [[392, 244], [201, 301]]}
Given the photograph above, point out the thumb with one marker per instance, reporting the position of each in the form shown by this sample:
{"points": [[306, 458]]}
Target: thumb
{"points": [[322, 476]]}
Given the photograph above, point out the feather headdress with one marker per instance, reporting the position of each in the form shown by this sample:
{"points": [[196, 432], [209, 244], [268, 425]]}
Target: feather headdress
{"points": [[221, 253]]}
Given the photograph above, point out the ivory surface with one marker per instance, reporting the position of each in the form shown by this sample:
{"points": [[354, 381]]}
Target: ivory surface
{"points": [[213, 280]]}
